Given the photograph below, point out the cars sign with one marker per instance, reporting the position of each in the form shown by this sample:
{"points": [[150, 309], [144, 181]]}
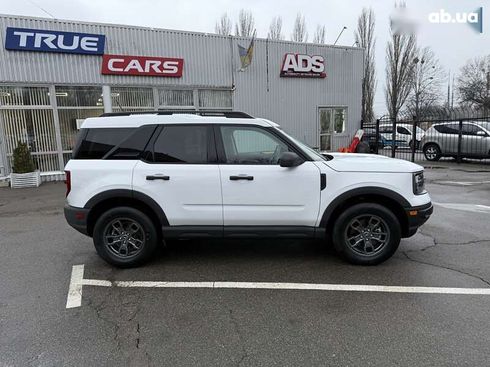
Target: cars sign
{"points": [[25, 39], [142, 65]]}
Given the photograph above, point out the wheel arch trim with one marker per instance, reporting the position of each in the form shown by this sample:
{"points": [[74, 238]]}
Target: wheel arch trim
{"points": [[129, 194], [361, 191]]}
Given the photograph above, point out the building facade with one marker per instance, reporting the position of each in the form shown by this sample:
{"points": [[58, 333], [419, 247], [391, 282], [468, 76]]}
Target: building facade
{"points": [[54, 74]]}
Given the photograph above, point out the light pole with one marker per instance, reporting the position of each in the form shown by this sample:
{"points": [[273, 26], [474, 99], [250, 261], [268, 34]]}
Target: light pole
{"points": [[343, 29]]}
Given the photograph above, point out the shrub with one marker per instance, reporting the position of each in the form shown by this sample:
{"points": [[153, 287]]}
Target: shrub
{"points": [[23, 161]]}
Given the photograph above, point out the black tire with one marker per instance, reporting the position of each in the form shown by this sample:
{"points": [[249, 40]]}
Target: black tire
{"points": [[343, 231], [138, 229], [432, 152]]}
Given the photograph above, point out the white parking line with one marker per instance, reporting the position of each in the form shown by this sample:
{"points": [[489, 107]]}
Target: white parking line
{"points": [[75, 292], [462, 183], [475, 208]]}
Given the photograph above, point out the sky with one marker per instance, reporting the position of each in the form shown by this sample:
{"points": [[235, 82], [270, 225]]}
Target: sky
{"points": [[452, 43]]}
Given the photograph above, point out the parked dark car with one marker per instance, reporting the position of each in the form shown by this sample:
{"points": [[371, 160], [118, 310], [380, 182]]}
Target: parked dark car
{"points": [[369, 137]]}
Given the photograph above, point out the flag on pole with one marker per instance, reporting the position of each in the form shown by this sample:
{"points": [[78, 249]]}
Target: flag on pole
{"points": [[246, 54]]}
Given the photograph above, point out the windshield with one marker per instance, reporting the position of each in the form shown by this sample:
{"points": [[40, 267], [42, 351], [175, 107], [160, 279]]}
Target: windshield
{"points": [[311, 153]]}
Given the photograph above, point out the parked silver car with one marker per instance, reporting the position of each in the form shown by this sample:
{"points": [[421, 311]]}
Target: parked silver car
{"points": [[441, 140]]}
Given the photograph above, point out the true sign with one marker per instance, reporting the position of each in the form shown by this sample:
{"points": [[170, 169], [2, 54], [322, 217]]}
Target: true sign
{"points": [[142, 65], [303, 66], [25, 39]]}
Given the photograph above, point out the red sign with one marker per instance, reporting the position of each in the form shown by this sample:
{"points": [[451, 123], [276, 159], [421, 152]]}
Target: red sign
{"points": [[303, 66], [142, 65]]}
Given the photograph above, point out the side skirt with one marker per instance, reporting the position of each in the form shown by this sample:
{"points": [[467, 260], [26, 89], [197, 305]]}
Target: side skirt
{"points": [[173, 232]]}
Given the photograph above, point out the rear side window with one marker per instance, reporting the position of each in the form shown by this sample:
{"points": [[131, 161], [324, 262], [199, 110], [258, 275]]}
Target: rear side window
{"points": [[183, 144], [447, 128], [134, 145], [96, 143]]}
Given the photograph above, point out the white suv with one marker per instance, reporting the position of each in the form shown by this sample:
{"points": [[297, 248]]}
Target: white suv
{"points": [[137, 179]]}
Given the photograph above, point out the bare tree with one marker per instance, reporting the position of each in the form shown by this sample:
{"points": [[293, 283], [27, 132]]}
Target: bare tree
{"points": [[473, 83], [275, 29], [364, 37], [223, 26], [319, 36], [299, 31], [400, 53], [427, 77], [245, 25]]}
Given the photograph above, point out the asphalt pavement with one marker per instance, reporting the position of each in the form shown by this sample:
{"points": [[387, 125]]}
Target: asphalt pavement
{"points": [[141, 326]]}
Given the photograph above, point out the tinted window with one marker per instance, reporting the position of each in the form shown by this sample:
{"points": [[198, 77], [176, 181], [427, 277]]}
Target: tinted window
{"points": [[251, 145], [386, 129], [470, 129], [96, 143], [447, 128], [402, 130], [134, 145], [182, 144]]}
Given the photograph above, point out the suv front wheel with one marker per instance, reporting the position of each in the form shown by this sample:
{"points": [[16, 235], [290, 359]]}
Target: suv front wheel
{"points": [[366, 234], [125, 237]]}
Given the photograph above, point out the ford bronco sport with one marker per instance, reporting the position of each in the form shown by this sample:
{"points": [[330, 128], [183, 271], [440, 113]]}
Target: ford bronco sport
{"points": [[137, 179]]}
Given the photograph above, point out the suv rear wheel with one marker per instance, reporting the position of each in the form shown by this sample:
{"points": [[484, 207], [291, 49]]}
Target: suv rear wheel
{"points": [[432, 152], [366, 234], [125, 237]]}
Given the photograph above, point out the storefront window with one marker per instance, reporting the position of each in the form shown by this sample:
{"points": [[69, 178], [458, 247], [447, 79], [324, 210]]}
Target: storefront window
{"points": [[36, 128], [131, 99], [215, 98], [75, 104], [176, 98], [79, 96], [24, 96]]}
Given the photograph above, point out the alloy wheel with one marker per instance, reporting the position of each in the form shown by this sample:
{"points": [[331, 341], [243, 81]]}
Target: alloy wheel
{"points": [[124, 237], [367, 234]]}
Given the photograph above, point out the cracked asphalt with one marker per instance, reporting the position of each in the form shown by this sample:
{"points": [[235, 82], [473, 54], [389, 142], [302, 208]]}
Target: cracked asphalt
{"points": [[245, 327]]}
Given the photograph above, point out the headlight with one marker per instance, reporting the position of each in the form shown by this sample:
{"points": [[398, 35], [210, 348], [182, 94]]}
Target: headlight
{"points": [[418, 183]]}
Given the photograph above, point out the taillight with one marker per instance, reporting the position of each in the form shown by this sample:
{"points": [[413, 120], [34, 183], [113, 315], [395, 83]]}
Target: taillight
{"points": [[68, 182]]}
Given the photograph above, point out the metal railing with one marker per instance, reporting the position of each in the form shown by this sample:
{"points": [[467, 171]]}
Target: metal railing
{"points": [[456, 134]]}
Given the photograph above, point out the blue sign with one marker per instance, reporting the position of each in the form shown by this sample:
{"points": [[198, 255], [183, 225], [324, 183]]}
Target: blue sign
{"points": [[24, 39]]}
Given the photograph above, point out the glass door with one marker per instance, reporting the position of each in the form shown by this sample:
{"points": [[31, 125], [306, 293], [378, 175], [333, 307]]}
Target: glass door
{"points": [[325, 116]]}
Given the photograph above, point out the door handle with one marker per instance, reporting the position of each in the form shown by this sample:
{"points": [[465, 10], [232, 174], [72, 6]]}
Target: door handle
{"points": [[242, 177], [158, 177]]}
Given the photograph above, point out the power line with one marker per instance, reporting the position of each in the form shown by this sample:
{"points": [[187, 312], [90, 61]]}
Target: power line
{"points": [[42, 9]]}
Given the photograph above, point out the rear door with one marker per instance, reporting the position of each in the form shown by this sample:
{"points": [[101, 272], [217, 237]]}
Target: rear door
{"points": [[180, 173], [256, 190]]}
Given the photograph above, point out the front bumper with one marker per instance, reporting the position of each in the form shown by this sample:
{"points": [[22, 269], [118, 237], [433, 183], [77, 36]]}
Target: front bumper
{"points": [[417, 216], [77, 218]]}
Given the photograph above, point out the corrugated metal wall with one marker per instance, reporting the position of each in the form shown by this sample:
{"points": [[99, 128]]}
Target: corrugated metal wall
{"points": [[210, 61]]}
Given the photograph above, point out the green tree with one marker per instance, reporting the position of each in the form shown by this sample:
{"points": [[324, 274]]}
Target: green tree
{"points": [[23, 161]]}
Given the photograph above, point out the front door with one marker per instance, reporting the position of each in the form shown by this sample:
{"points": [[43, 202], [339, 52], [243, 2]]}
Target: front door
{"points": [[180, 173], [474, 140], [256, 190]]}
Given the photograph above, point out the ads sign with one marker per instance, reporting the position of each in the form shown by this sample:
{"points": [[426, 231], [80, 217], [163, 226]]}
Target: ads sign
{"points": [[303, 66], [24, 39], [142, 65]]}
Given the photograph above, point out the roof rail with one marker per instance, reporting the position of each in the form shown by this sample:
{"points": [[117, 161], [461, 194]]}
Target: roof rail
{"points": [[222, 113]]}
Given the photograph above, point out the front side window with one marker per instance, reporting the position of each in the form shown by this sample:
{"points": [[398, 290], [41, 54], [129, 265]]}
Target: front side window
{"points": [[251, 145], [469, 129], [402, 130], [182, 144]]}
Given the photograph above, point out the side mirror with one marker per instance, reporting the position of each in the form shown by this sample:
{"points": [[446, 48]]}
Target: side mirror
{"points": [[481, 133], [290, 159]]}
